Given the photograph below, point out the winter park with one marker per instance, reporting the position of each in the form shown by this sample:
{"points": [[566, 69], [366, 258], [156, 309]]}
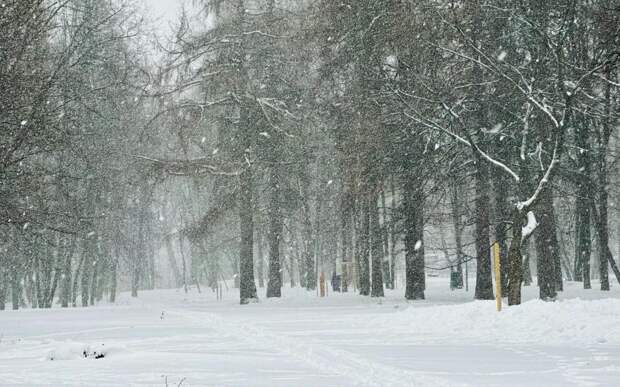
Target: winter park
{"points": [[285, 193]]}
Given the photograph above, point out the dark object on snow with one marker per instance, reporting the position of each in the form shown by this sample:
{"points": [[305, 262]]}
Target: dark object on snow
{"points": [[456, 280], [336, 281], [88, 354]]}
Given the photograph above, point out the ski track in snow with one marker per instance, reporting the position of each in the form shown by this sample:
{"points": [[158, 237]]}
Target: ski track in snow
{"points": [[321, 357]]}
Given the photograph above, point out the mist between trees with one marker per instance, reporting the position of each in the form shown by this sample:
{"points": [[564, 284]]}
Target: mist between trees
{"points": [[269, 143]]}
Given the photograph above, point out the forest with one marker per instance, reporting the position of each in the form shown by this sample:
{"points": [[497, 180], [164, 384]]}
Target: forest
{"points": [[364, 145]]}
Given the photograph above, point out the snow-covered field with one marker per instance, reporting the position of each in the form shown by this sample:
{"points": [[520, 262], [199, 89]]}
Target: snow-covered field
{"points": [[170, 338]]}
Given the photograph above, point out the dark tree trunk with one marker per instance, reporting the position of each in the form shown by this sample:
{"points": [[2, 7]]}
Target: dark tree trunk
{"points": [[603, 228], [364, 247], [135, 276], [606, 257], [515, 275], [386, 264], [413, 211], [502, 217], [392, 228], [308, 250], [51, 292], [113, 280], [274, 284], [260, 269], [583, 243], [183, 263], [3, 283], [15, 288], [86, 271], [557, 254], [76, 276], [484, 282], [246, 138], [65, 286], [527, 272], [94, 281], [345, 223], [246, 258], [376, 240], [602, 221], [545, 251], [172, 259], [455, 201]]}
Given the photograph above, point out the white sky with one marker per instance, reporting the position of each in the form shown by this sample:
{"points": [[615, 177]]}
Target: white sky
{"points": [[166, 8], [163, 12]]}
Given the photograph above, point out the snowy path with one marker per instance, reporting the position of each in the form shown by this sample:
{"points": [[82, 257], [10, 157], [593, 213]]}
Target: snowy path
{"points": [[303, 341], [351, 369]]}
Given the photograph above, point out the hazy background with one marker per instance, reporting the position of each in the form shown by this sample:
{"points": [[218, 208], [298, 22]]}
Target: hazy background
{"points": [[163, 11]]}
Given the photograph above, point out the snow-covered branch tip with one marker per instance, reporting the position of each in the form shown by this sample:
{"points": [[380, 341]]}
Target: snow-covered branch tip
{"points": [[529, 228]]}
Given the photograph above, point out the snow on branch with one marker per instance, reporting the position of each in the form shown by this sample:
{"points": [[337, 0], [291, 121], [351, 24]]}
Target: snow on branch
{"points": [[529, 228], [543, 182], [195, 167], [435, 126]]}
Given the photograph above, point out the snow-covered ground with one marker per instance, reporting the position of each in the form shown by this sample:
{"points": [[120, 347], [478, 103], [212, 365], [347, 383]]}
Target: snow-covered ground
{"points": [[166, 337]]}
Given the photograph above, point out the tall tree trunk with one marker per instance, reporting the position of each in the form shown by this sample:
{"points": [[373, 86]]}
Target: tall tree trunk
{"points": [[246, 258], [527, 272], [376, 240], [545, 251], [386, 265], [392, 227], [86, 271], [113, 279], [502, 217], [76, 276], [3, 285], [557, 253], [345, 229], [246, 135], [484, 282], [307, 232], [364, 247], [413, 211], [15, 288], [172, 259], [515, 274], [583, 243], [260, 260], [135, 272], [94, 281], [183, 262], [455, 202], [602, 223], [274, 284], [606, 255], [65, 287]]}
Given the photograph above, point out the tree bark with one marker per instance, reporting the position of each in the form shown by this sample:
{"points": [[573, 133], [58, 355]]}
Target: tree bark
{"points": [[484, 282], [413, 211], [545, 251], [583, 244], [274, 284], [364, 247], [172, 259], [376, 239], [515, 275], [345, 224], [260, 269], [502, 216], [3, 283], [455, 202]]}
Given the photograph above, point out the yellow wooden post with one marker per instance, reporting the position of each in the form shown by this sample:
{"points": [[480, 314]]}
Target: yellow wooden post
{"points": [[322, 284], [498, 278]]}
